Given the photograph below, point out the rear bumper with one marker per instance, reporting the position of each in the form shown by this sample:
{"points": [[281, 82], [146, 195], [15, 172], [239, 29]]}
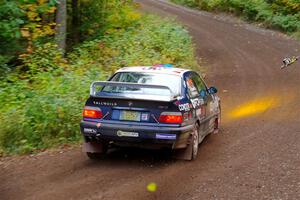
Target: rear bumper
{"points": [[174, 137]]}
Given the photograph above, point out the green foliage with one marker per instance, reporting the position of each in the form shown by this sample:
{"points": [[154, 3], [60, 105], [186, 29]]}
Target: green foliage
{"points": [[41, 106], [44, 110], [11, 19], [283, 15], [99, 16], [46, 57], [22, 22], [93, 16], [151, 41]]}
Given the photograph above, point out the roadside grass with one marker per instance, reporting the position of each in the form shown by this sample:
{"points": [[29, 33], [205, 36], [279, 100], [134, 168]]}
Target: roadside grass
{"points": [[40, 107], [282, 15]]}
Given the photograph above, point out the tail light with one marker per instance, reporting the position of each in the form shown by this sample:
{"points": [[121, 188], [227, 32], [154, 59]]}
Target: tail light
{"points": [[92, 112], [171, 117]]}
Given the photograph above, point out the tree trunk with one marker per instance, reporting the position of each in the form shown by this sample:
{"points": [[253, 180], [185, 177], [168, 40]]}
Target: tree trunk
{"points": [[75, 22], [61, 25]]}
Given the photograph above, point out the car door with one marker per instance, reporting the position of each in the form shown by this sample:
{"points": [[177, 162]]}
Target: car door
{"points": [[199, 104], [205, 116]]}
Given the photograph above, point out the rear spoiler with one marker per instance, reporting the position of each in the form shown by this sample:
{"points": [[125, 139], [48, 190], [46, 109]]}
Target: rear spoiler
{"points": [[95, 93]]}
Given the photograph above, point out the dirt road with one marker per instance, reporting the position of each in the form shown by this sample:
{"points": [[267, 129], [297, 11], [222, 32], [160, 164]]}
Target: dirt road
{"points": [[256, 155]]}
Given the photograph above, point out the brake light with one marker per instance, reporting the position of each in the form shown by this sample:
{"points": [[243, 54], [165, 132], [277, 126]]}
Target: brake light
{"points": [[92, 112], [171, 117]]}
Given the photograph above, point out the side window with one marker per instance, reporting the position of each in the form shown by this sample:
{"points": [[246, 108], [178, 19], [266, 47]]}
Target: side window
{"points": [[191, 86], [199, 82]]}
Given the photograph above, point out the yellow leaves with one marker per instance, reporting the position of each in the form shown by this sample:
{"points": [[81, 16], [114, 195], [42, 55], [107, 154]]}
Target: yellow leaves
{"points": [[48, 30], [134, 16], [51, 10], [37, 33], [91, 31], [41, 2], [42, 31], [38, 26], [294, 5], [31, 15], [25, 32], [31, 7]]}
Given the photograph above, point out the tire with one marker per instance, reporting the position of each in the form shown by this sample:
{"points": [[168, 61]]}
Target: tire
{"points": [[191, 151], [195, 142], [98, 155], [217, 121], [94, 156]]}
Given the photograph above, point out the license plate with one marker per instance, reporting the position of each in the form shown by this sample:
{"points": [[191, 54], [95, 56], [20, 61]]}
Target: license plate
{"points": [[127, 134], [130, 115]]}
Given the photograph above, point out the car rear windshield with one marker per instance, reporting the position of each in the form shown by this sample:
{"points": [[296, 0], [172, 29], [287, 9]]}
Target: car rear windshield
{"points": [[171, 81]]}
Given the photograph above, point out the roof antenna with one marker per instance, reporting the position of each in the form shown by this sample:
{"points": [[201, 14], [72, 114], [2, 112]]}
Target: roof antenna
{"points": [[289, 61]]}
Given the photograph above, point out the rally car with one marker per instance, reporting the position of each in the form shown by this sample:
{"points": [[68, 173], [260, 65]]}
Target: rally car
{"points": [[150, 107]]}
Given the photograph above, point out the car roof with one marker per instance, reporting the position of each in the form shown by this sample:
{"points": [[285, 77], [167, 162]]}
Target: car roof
{"points": [[159, 69]]}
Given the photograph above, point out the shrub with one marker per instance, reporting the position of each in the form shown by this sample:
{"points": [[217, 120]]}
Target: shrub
{"points": [[279, 14]]}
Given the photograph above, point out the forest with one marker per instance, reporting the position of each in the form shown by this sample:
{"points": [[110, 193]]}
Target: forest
{"points": [[51, 51]]}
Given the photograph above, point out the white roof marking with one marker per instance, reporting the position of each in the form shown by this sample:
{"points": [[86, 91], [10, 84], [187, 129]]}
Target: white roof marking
{"points": [[154, 69]]}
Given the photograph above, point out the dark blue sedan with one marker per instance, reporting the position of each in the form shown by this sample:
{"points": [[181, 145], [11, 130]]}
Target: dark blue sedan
{"points": [[150, 107]]}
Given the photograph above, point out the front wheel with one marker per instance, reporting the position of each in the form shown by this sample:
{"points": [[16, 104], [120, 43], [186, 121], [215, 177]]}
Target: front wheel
{"points": [[195, 143], [218, 121]]}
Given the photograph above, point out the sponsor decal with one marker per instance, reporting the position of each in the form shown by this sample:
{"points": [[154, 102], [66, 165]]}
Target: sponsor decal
{"points": [[197, 102], [89, 130], [157, 67], [145, 117], [164, 136], [102, 103], [127, 134], [184, 107]]}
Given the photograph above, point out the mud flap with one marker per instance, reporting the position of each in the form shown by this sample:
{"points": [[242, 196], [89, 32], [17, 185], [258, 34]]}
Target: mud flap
{"points": [[183, 154], [92, 147]]}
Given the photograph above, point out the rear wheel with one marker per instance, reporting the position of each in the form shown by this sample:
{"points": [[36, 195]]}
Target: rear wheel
{"points": [[191, 151], [94, 156], [102, 148]]}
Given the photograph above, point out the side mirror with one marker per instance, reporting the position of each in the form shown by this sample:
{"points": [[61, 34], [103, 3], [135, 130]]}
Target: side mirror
{"points": [[212, 90], [202, 93]]}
